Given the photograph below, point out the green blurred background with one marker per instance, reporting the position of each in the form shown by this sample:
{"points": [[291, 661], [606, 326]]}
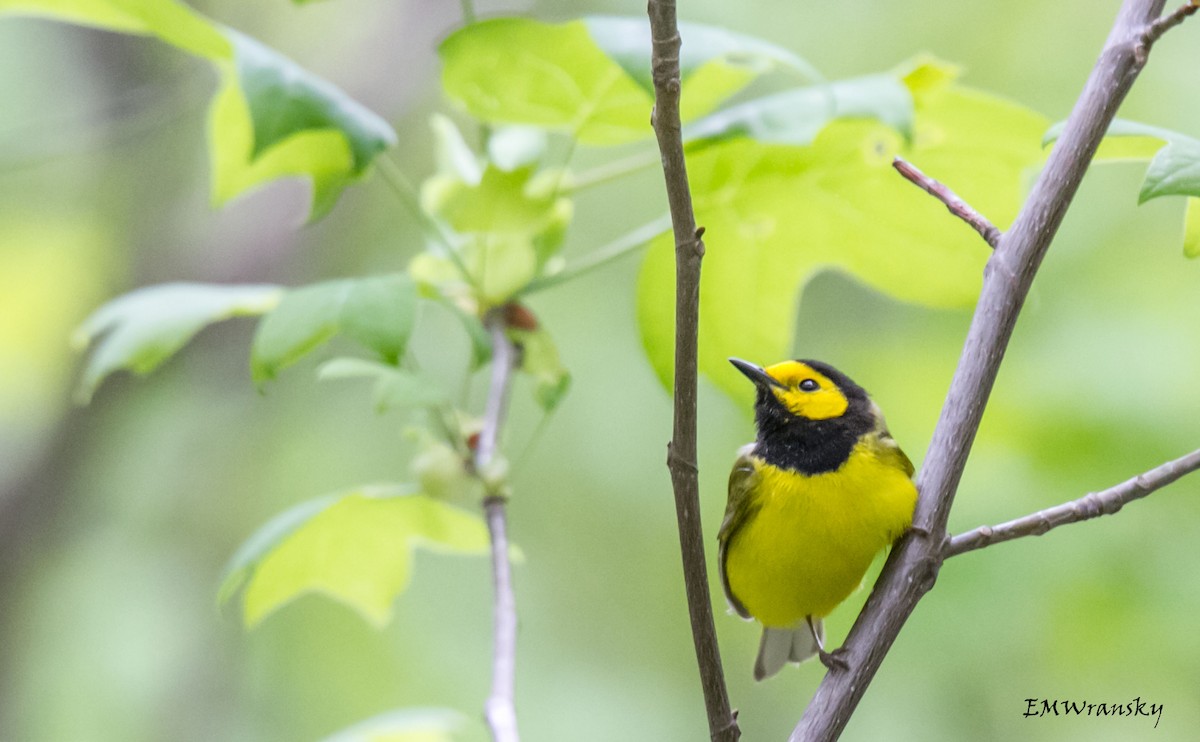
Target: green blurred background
{"points": [[116, 519]]}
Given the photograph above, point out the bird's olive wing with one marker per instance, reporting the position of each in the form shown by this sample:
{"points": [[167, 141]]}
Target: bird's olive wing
{"points": [[738, 509], [888, 449]]}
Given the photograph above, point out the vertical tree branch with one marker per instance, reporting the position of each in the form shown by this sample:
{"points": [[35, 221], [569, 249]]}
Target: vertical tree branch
{"points": [[500, 710], [681, 451], [913, 566]]}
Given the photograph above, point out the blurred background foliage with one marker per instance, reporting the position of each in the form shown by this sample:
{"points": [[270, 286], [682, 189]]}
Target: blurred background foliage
{"points": [[117, 519]]}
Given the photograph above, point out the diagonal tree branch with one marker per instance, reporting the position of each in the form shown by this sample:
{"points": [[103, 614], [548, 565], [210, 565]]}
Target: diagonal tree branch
{"points": [[952, 201], [500, 709], [681, 452], [913, 566], [1092, 505]]}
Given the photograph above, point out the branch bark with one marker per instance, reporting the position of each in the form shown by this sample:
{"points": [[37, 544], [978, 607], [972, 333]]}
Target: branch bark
{"points": [[500, 709], [1091, 505], [913, 566], [681, 451], [953, 202]]}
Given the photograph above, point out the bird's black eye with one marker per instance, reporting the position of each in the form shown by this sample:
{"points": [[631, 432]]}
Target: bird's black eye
{"points": [[809, 385]]}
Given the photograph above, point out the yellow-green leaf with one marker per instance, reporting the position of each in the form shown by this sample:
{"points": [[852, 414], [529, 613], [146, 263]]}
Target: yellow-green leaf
{"points": [[356, 548], [554, 76], [171, 21], [714, 62], [590, 77], [273, 119]]}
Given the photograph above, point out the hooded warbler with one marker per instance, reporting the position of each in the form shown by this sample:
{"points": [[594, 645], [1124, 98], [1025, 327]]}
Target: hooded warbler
{"points": [[812, 500]]}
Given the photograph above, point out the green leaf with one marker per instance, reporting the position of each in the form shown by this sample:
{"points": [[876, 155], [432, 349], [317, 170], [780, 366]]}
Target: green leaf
{"points": [[554, 76], [589, 77], [140, 330], [269, 119], [377, 312], [1174, 166], [714, 62], [539, 359], [274, 119], [1174, 171], [356, 548], [797, 116], [775, 215], [394, 387], [404, 725]]}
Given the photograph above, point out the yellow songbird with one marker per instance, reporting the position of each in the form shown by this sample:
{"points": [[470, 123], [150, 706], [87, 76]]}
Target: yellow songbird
{"points": [[818, 494]]}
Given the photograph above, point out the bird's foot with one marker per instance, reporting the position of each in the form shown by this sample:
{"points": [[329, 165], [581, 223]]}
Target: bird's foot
{"points": [[835, 660]]}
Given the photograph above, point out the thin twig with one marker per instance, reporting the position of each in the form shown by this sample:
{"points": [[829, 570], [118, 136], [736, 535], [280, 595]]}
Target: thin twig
{"points": [[500, 709], [952, 200], [912, 568], [1155, 30], [1092, 505], [681, 452]]}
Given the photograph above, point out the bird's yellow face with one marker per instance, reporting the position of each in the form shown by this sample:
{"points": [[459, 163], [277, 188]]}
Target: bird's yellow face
{"points": [[806, 392]]}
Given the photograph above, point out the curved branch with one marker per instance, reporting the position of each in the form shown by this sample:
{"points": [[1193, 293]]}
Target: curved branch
{"points": [[1091, 505], [681, 452], [913, 566]]}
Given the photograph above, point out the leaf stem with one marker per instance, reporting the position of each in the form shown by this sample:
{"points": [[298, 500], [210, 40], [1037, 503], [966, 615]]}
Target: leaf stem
{"points": [[432, 230], [605, 254], [611, 171]]}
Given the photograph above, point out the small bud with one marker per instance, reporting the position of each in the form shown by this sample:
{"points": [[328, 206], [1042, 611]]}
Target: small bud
{"points": [[519, 317]]}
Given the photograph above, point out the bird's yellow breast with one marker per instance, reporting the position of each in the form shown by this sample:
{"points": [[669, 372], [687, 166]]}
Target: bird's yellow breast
{"points": [[810, 539]]}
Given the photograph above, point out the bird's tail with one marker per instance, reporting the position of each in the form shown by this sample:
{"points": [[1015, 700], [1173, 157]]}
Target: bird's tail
{"points": [[780, 646]]}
